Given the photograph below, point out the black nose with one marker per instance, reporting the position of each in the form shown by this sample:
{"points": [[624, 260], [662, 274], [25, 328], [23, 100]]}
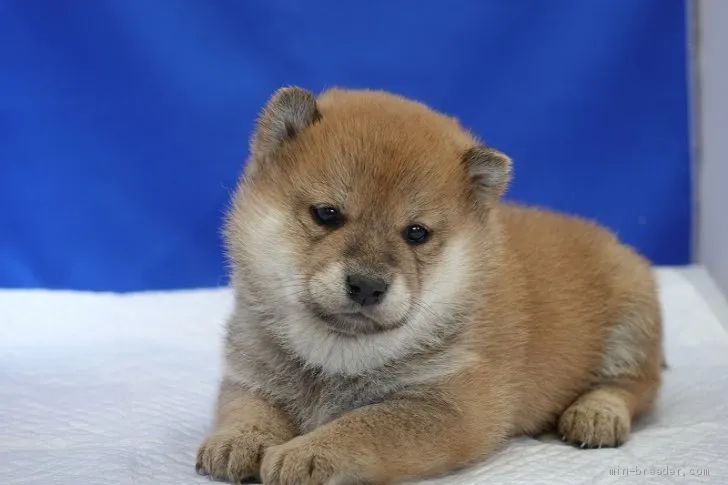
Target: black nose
{"points": [[365, 290]]}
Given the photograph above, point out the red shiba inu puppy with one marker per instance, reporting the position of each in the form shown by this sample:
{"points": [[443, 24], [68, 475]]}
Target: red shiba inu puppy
{"points": [[394, 320]]}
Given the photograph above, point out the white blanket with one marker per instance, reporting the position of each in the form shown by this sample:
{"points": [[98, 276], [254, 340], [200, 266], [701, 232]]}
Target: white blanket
{"points": [[118, 389]]}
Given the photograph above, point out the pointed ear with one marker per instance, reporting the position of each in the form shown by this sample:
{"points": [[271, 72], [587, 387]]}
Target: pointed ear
{"points": [[489, 171], [289, 111]]}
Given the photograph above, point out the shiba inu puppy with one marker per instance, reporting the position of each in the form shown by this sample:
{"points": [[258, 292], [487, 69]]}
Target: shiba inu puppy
{"points": [[394, 320]]}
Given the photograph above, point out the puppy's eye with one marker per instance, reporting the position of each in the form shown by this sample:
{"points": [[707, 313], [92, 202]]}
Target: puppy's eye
{"points": [[327, 216], [416, 234]]}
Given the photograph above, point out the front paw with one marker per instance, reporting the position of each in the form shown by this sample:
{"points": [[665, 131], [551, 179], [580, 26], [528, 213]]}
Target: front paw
{"points": [[233, 455], [303, 461]]}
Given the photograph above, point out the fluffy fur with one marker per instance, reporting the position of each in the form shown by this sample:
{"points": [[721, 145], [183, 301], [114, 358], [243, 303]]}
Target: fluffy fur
{"points": [[506, 320]]}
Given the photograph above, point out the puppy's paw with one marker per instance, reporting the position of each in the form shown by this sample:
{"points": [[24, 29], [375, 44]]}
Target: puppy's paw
{"points": [[233, 455], [596, 421], [303, 461]]}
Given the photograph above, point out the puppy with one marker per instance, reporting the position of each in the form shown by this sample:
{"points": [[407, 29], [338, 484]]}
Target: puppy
{"points": [[395, 320]]}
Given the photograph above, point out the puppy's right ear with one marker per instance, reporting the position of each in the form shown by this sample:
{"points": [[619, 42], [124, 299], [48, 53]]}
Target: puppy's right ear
{"points": [[289, 111]]}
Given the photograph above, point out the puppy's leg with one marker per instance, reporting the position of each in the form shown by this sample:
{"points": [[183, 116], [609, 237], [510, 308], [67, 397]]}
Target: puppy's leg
{"points": [[603, 416], [390, 442], [626, 384], [245, 426]]}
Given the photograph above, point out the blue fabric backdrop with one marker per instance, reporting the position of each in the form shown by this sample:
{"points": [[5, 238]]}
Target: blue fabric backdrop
{"points": [[124, 124]]}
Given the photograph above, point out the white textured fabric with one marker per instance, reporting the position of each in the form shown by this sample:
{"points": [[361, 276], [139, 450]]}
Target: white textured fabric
{"points": [[118, 389]]}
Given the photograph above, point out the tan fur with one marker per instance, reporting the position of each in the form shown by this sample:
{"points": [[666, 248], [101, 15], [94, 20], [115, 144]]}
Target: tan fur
{"points": [[508, 321]]}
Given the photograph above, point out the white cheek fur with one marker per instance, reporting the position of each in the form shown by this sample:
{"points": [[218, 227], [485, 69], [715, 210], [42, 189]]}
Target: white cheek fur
{"points": [[327, 288], [398, 302]]}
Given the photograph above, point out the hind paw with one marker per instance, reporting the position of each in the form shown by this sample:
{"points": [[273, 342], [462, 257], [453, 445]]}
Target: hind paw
{"points": [[595, 422]]}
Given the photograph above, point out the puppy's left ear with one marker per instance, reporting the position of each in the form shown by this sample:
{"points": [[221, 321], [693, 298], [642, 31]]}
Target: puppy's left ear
{"points": [[489, 171]]}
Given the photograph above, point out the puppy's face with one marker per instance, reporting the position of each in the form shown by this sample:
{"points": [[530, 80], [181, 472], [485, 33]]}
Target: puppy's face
{"points": [[367, 238], [361, 211]]}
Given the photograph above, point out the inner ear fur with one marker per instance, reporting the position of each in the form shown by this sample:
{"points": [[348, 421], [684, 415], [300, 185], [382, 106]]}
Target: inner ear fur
{"points": [[489, 171], [288, 112]]}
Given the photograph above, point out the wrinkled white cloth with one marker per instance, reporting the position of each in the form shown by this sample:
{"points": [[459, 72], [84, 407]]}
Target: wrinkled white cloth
{"points": [[118, 389]]}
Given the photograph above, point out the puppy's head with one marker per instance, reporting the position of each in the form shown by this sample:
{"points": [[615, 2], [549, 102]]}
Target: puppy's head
{"points": [[361, 222]]}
